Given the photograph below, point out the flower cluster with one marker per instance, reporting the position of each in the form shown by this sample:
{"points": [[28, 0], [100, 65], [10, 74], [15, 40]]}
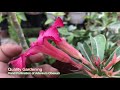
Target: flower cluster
{"points": [[42, 45]]}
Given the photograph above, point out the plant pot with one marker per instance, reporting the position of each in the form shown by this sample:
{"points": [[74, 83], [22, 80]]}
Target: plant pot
{"points": [[77, 17]]}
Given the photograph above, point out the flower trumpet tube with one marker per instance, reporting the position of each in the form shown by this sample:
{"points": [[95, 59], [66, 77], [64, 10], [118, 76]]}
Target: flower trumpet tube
{"points": [[60, 55], [52, 33], [47, 49], [54, 52], [69, 49]]}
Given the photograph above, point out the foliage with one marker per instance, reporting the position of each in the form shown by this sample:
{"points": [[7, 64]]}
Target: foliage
{"points": [[94, 53], [97, 42]]}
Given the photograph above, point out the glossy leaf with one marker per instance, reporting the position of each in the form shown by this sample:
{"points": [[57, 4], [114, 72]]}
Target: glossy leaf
{"points": [[98, 44], [85, 50]]}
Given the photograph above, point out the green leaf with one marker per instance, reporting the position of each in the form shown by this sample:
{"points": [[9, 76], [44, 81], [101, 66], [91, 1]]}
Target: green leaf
{"points": [[109, 44], [32, 39], [21, 16], [117, 51], [70, 38], [85, 50], [63, 31], [73, 75], [79, 32], [117, 66], [49, 21], [50, 60], [1, 19], [114, 26], [98, 44]]}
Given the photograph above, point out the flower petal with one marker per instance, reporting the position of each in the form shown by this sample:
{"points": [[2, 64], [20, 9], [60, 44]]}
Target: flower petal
{"points": [[52, 33], [19, 63], [58, 23]]}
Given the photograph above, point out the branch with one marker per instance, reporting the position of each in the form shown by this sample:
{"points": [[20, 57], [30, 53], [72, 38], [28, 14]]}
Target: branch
{"points": [[18, 29]]}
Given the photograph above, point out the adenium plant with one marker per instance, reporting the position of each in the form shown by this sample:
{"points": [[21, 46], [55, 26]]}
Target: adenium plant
{"points": [[90, 60], [43, 46]]}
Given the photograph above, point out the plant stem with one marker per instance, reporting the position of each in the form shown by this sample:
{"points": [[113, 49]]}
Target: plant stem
{"points": [[18, 29]]}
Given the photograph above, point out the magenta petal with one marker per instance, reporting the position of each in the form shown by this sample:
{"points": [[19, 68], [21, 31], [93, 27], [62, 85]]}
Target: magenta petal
{"points": [[58, 23], [38, 46], [53, 34], [19, 63], [40, 39], [33, 50], [97, 62], [41, 35]]}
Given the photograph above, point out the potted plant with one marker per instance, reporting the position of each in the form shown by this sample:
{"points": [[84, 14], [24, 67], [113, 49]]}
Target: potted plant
{"points": [[77, 17]]}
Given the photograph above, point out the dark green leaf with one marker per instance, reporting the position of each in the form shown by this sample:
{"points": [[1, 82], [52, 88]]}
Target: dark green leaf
{"points": [[117, 66]]}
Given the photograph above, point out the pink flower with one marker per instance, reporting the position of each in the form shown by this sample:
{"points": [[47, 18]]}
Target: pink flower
{"points": [[111, 73], [43, 46], [19, 62], [38, 46], [58, 23], [96, 61], [52, 33], [54, 52], [112, 62], [69, 49], [60, 55]]}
